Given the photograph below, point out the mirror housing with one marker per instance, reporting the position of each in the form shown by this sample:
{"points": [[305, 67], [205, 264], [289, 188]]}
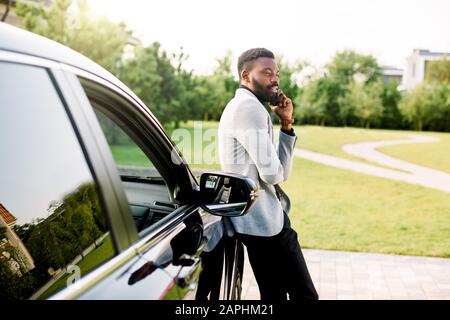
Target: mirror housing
{"points": [[226, 194]]}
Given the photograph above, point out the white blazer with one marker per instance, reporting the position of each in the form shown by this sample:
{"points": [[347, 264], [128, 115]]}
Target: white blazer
{"points": [[247, 147]]}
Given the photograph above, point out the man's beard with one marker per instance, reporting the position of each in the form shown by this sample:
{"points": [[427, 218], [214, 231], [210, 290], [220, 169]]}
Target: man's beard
{"points": [[263, 93]]}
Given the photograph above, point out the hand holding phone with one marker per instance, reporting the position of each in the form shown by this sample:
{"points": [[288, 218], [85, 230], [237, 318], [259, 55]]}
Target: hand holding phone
{"points": [[281, 105]]}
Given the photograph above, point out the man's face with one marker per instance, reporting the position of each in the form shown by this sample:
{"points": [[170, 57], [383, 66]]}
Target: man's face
{"points": [[263, 78]]}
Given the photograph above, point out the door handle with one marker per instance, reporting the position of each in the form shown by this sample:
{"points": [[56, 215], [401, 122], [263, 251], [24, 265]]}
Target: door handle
{"points": [[189, 273]]}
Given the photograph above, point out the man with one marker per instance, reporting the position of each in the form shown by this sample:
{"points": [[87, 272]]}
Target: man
{"points": [[246, 146]]}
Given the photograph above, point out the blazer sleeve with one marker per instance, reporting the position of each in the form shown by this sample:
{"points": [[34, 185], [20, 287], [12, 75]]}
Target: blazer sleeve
{"points": [[286, 152], [252, 132]]}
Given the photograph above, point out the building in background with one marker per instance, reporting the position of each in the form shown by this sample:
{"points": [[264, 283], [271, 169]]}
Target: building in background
{"points": [[416, 66], [7, 221], [392, 74]]}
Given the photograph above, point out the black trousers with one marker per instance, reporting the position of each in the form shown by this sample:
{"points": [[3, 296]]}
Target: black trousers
{"points": [[279, 266]]}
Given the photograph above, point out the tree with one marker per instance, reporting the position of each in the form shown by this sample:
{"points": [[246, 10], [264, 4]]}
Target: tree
{"points": [[288, 83], [5, 14], [187, 86], [288, 76], [313, 102], [99, 39], [154, 79], [364, 101], [46, 247], [72, 227], [223, 73], [24, 231], [83, 227], [438, 71], [345, 68], [223, 84], [391, 97], [347, 64], [80, 219], [15, 284], [347, 93], [427, 107], [212, 93], [209, 98], [438, 101], [90, 197], [52, 23]]}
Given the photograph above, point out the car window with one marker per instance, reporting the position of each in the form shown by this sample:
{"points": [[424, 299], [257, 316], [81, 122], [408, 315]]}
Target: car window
{"points": [[126, 154], [53, 229], [146, 190]]}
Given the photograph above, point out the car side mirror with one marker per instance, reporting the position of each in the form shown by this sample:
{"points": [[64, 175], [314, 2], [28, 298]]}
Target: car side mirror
{"points": [[227, 194]]}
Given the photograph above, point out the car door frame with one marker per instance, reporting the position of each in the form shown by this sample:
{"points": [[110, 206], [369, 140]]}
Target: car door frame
{"points": [[189, 186], [170, 163]]}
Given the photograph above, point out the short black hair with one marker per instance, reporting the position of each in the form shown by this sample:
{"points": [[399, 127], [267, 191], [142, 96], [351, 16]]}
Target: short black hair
{"points": [[251, 55]]}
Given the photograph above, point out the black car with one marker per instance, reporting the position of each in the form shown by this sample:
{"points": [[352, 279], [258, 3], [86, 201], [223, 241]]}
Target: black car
{"points": [[96, 202]]}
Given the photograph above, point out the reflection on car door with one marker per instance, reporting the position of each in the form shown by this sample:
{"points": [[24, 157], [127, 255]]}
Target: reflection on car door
{"points": [[53, 223], [167, 265]]}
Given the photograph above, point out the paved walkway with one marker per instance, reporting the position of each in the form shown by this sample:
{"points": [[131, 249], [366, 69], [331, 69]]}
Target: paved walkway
{"points": [[349, 275], [414, 174], [368, 276]]}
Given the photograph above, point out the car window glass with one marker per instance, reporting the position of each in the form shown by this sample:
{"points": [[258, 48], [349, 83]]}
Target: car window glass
{"points": [[52, 227], [146, 190], [126, 154]]}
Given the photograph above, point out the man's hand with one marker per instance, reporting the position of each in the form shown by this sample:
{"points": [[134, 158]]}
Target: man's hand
{"points": [[284, 110]]}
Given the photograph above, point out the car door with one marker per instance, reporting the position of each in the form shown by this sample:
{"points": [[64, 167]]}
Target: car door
{"points": [[54, 221], [166, 230]]}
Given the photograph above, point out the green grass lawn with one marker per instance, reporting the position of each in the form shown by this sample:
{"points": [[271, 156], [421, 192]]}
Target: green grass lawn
{"points": [[329, 140], [435, 155], [91, 260], [130, 155], [343, 210]]}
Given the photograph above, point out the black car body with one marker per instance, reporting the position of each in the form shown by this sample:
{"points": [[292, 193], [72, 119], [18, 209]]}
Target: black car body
{"points": [[77, 221]]}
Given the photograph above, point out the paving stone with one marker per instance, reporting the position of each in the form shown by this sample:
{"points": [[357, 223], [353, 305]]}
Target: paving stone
{"points": [[366, 276]]}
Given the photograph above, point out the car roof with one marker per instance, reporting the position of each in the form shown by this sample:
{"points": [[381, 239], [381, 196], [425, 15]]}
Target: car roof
{"points": [[17, 40]]}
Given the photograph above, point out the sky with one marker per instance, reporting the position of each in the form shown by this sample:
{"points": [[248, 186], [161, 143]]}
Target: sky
{"points": [[57, 167], [297, 29]]}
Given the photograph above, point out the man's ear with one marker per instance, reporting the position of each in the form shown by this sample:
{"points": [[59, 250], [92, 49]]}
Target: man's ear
{"points": [[245, 76]]}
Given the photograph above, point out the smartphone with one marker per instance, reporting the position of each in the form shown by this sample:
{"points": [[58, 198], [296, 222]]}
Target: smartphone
{"points": [[275, 100]]}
